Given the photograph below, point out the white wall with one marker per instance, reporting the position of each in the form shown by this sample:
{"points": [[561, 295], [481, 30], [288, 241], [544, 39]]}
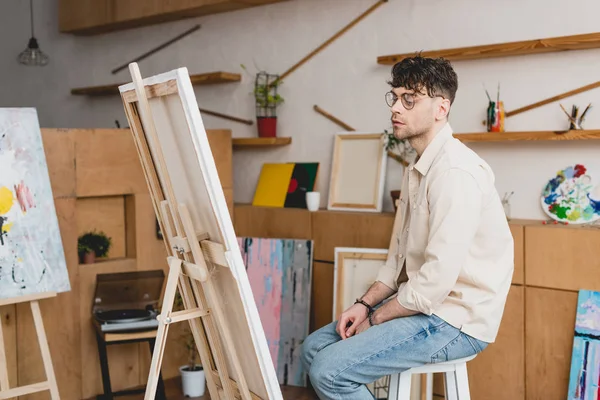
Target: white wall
{"points": [[344, 79]]}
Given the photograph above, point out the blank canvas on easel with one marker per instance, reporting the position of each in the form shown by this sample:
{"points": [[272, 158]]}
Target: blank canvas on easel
{"points": [[357, 172], [32, 258]]}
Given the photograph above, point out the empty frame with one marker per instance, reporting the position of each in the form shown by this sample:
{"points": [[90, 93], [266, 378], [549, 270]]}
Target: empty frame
{"points": [[357, 172]]}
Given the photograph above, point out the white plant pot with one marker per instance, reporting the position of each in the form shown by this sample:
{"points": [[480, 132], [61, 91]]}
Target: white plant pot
{"points": [[193, 383]]}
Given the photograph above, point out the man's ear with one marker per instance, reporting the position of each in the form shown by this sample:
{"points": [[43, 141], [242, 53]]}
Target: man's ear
{"points": [[443, 109]]}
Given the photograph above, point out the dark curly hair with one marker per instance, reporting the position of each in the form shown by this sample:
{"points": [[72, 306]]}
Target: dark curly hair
{"points": [[435, 75]]}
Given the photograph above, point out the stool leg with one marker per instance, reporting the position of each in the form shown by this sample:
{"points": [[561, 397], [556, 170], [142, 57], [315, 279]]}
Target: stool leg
{"points": [[462, 382], [393, 388], [450, 385], [429, 386], [404, 386]]}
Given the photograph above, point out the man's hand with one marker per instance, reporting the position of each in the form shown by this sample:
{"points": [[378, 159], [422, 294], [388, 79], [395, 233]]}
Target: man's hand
{"points": [[359, 329], [353, 316]]}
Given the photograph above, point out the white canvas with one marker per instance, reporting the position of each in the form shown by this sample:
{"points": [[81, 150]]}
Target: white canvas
{"points": [[32, 258]]}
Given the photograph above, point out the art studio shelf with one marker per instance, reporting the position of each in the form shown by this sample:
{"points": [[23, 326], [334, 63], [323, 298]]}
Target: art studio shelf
{"points": [[528, 136], [535, 46], [198, 79], [261, 142]]}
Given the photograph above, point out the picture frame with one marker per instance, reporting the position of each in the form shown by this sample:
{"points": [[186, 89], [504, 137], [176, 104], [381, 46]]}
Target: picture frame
{"points": [[358, 169]]}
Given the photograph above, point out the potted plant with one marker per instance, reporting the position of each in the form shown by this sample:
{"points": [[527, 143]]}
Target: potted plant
{"points": [[93, 245], [193, 379], [405, 153], [267, 100]]}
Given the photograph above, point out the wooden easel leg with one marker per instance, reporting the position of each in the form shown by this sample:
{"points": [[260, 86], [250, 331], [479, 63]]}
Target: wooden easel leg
{"points": [[4, 384], [202, 343], [45, 350], [163, 327]]}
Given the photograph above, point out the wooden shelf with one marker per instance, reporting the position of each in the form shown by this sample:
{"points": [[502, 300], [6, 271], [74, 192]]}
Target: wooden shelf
{"points": [[528, 136], [261, 142], [198, 79], [536, 46]]}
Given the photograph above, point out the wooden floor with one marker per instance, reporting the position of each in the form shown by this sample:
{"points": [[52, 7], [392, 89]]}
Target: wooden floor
{"points": [[173, 391]]}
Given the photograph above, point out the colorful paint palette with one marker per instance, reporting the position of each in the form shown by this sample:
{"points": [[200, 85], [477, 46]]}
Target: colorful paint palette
{"points": [[571, 196]]}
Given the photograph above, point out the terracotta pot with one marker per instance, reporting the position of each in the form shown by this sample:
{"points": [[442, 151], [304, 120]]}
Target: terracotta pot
{"points": [[395, 196], [267, 126], [88, 258]]}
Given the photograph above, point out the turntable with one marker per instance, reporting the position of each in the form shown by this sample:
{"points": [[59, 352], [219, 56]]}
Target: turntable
{"points": [[127, 301]]}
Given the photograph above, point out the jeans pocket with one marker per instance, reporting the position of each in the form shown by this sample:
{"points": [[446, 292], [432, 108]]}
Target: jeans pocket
{"points": [[459, 347]]}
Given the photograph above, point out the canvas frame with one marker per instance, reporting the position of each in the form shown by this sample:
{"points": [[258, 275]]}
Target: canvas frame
{"points": [[204, 258], [342, 255], [347, 161]]}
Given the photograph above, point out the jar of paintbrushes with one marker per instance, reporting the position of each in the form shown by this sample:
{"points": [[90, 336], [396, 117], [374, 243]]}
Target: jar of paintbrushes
{"points": [[495, 113]]}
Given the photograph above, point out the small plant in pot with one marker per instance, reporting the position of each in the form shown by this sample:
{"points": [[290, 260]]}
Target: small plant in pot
{"points": [[93, 245], [193, 380], [267, 100]]}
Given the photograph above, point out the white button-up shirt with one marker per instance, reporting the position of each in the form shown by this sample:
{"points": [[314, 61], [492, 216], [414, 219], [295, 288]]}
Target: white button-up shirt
{"points": [[452, 238]]}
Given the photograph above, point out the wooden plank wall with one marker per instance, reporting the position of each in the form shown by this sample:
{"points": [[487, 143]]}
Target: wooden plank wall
{"points": [[97, 182], [532, 354]]}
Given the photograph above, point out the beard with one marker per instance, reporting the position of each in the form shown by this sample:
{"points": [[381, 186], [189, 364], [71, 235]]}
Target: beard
{"points": [[405, 132]]}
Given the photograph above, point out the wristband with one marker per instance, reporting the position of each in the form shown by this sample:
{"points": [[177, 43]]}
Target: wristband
{"points": [[365, 304], [370, 320]]}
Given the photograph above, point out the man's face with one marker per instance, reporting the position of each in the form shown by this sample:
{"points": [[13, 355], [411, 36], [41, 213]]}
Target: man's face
{"points": [[413, 113]]}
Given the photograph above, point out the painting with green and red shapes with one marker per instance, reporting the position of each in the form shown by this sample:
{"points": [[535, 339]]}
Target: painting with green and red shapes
{"points": [[303, 180], [571, 196]]}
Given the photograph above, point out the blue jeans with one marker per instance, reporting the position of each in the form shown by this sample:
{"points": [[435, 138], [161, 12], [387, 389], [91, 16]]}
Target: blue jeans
{"points": [[340, 369]]}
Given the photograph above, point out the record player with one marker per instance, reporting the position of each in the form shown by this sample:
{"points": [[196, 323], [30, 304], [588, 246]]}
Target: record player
{"points": [[127, 301]]}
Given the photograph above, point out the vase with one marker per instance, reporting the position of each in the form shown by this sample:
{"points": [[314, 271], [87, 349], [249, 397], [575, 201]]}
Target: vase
{"points": [[395, 196]]}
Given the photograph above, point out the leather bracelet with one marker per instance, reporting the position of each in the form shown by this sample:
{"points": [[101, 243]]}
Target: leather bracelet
{"points": [[364, 303], [370, 320]]}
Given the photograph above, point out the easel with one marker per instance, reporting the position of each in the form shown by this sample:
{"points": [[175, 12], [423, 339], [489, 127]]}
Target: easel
{"points": [[50, 384], [190, 253]]}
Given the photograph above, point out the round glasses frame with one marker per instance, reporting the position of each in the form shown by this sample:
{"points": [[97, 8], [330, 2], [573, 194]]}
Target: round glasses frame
{"points": [[407, 99]]}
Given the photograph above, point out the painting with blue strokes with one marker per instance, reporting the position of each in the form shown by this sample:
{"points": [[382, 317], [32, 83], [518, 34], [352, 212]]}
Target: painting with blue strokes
{"points": [[280, 275], [584, 379]]}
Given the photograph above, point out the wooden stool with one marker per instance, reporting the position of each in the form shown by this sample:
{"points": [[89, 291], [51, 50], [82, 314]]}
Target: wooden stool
{"points": [[456, 381], [109, 338]]}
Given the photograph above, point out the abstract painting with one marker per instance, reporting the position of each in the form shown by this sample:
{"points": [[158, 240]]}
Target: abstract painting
{"points": [[584, 379], [280, 273], [285, 184], [571, 197], [32, 258]]}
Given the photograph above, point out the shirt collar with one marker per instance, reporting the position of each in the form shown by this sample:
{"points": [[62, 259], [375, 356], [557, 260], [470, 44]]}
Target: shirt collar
{"points": [[431, 151]]}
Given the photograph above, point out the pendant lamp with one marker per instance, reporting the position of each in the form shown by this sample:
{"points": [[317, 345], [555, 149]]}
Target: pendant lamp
{"points": [[33, 55]]}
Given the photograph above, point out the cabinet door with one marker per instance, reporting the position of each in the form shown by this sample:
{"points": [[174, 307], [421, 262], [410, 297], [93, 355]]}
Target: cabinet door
{"points": [[498, 372], [549, 331]]}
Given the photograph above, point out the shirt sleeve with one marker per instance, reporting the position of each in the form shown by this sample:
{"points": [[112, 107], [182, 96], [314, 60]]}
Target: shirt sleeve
{"points": [[455, 203], [387, 272]]}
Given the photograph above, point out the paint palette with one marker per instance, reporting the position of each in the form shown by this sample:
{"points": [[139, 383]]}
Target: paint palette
{"points": [[571, 196]]}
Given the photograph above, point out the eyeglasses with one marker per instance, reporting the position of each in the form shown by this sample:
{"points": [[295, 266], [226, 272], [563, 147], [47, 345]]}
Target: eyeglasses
{"points": [[408, 99]]}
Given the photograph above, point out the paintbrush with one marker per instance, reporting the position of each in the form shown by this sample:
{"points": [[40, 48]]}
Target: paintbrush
{"points": [[487, 93], [584, 112]]}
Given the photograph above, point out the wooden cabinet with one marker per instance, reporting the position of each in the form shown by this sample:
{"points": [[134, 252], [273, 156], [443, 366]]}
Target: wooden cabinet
{"points": [[90, 17], [531, 356]]}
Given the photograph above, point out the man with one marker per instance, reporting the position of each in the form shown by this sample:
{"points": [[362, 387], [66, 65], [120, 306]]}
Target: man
{"points": [[441, 293]]}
